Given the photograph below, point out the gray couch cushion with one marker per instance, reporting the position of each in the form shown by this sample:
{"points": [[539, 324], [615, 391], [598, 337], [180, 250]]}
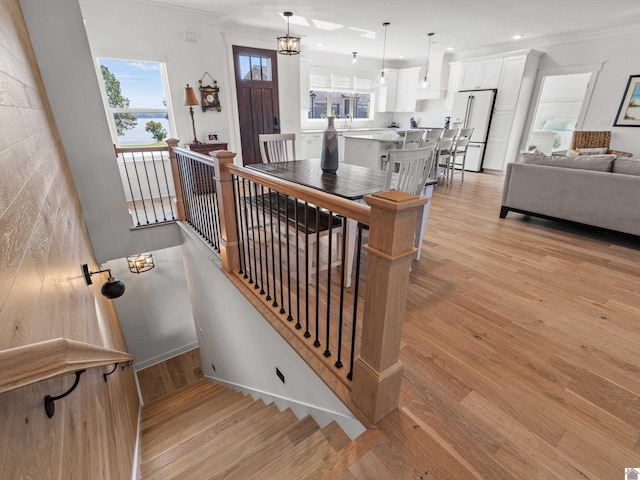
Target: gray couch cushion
{"points": [[628, 166], [598, 163]]}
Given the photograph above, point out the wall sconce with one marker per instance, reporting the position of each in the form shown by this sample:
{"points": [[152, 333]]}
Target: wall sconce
{"points": [[112, 288], [142, 262], [190, 100]]}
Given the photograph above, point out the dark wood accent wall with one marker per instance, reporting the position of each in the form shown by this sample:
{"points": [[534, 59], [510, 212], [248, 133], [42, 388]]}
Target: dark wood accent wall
{"points": [[43, 242]]}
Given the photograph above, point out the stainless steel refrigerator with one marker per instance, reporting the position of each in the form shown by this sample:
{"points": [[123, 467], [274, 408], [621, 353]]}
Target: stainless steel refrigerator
{"points": [[473, 109]]}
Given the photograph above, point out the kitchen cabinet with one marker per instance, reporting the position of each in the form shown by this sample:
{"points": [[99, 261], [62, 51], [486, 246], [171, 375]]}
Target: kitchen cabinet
{"points": [[481, 74], [513, 75], [401, 91], [310, 145], [407, 89], [387, 94]]}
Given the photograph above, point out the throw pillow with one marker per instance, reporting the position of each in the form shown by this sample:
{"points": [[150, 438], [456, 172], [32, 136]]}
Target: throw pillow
{"points": [[628, 166], [592, 151], [600, 163]]}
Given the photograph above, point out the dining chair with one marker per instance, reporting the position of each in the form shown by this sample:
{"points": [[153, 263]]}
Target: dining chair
{"points": [[433, 134], [412, 139], [277, 147], [409, 171], [280, 147], [460, 151], [445, 152]]}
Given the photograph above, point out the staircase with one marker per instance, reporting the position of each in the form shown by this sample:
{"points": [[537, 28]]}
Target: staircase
{"points": [[205, 431]]}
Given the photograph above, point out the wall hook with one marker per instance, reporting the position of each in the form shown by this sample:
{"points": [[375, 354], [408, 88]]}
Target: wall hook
{"points": [[105, 375], [49, 406]]}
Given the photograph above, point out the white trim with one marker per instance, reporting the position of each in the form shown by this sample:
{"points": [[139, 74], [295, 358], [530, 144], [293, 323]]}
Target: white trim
{"points": [[136, 472], [165, 356], [543, 72], [349, 424]]}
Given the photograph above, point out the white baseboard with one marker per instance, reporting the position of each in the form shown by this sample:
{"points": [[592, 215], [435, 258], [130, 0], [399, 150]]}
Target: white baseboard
{"points": [[349, 424], [165, 356], [136, 472]]}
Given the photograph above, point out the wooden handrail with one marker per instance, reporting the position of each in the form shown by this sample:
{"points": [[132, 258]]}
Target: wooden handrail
{"points": [[32, 363], [341, 206]]}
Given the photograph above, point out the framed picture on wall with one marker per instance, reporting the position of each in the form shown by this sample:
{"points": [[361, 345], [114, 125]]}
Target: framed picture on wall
{"points": [[629, 111], [212, 137]]}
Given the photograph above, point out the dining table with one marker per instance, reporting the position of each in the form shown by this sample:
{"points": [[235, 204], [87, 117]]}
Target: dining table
{"points": [[351, 182]]}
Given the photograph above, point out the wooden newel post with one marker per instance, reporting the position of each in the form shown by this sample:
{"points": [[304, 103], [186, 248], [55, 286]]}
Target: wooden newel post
{"points": [[172, 143], [377, 373], [228, 227]]}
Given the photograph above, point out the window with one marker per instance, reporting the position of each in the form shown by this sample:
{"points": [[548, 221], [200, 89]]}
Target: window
{"points": [[255, 68], [339, 104], [136, 98]]}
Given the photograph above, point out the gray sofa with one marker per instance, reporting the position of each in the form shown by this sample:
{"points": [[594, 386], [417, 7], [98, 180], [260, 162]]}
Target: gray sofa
{"points": [[599, 190]]}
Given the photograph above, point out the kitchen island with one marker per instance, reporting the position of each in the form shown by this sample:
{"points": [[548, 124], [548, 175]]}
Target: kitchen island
{"points": [[369, 150]]}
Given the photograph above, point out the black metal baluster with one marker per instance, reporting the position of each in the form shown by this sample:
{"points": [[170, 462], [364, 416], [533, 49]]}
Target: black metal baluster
{"points": [[273, 250], [296, 220], [343, 252], [295, 202], [266, 242], [238, 215], [155, 172], [133, 200], [282, 311], [135, 168], [166, 158], [216, 214], [355, 302], [327, 352], [254, 212], [208, 196], [252, 267], [246, 202], [189, 190], [307, 334], [260, 253], [316, 343], [146, 173]]}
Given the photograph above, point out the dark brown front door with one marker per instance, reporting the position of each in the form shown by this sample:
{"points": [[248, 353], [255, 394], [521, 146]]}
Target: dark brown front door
{"points": [[257, 86]]}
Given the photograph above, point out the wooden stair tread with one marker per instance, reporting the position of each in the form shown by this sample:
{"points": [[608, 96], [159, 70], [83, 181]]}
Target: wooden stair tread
{"points": [[336, 464], [206, 431], [156, 439], [308, 456], [180, 397], [254, 437], [270, 449], [207, 443]]}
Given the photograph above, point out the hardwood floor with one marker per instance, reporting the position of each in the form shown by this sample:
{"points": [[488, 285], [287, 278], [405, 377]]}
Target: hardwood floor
{"points": [[169, 376], [521, 349]]}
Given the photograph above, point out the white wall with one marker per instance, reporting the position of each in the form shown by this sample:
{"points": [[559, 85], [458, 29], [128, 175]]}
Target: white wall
{"points": [[155, 310], [62, 51], [139, 31], [620, 53], [245, 349]]}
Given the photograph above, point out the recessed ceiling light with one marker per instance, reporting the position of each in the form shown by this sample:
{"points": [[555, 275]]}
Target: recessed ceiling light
{"points": [[320, 44], [450, 48], [401, 57], [517, 37]]}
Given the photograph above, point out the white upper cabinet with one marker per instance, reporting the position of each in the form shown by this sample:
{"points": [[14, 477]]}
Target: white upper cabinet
{"points": [[400, 93], [387, 94], [481, 74], [510, 82], [407, 89]]}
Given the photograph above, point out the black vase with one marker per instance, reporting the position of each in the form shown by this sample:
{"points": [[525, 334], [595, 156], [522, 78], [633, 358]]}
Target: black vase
{"points": [[329, 155]]}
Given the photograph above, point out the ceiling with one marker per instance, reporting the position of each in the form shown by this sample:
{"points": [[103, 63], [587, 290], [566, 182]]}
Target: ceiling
{"points": [[356, 25]]}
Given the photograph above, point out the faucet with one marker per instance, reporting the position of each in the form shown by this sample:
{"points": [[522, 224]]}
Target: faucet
{"points": [[349, 118]]}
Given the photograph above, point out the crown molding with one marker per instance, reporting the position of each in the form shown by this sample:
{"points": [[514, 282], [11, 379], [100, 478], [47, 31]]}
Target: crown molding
{"points": [[549, 41], [158, 9]]}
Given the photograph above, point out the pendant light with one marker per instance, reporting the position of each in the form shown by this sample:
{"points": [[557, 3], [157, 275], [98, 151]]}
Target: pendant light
{"points": [[381, 81], [426, 83], [355, 57], [287, 44]]}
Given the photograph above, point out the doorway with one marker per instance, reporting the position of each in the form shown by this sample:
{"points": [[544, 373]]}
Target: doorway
{"points": [[559, 109], [256, 75]]}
